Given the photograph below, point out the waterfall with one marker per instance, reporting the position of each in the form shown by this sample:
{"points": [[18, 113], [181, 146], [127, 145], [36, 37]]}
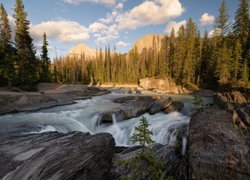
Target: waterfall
{"points": [[84, 116]]}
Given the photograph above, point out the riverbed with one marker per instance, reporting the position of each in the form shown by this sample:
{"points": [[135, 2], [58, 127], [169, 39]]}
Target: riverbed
{"points": [[84, 116]]}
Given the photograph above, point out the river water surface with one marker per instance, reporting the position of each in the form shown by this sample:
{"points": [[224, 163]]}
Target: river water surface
{"points": [[83, 116]]}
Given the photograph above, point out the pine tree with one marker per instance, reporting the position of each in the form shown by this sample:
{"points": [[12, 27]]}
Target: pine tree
{"points": [[7, 61], [142, 134], [242, 22], [145, 164], [222, 21], [223, 65], [27, 62], [237, 64], [245, 73], [45, 61]]}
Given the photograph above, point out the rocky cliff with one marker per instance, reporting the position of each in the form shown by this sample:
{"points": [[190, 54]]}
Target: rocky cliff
{"points": [[217, 148], [149, 41], [82, 50], [164, 85]]}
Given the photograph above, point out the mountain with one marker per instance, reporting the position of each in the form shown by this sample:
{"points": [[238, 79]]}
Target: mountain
{"points": [[147, 41], [82, 49]]}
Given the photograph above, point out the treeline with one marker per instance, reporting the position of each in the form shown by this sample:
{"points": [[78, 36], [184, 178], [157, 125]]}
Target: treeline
{"points": [[19, 65], [221, 59], [218, 60]]}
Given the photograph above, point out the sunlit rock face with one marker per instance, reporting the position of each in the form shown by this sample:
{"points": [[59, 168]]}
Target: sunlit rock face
{"points": [[82, 50], [149, 41]]}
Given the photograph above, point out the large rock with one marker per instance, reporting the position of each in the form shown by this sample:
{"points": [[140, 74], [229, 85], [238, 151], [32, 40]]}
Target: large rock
{"points": [[236, 104], [134, 106], [20, 102], [175, 106], [217, 150], [166, 85], [57, 156], [235, 97], [160, 105]]}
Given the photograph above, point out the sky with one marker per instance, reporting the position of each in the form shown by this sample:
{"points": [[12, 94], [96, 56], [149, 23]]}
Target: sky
{"points": [[119, 23]]}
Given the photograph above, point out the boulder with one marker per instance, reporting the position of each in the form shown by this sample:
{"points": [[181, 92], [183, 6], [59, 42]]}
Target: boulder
{"points": [[216, 149], [134, 106], [57, 156], [160, 105], [166, 85], [175, 106], [235, 97]]}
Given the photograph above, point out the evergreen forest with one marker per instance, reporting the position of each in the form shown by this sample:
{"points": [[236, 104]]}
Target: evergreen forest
{"points": [[191, 58]]}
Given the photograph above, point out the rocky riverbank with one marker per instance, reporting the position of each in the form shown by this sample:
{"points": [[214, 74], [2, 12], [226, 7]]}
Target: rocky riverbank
{"points": [[217, 147], [12, 102]]}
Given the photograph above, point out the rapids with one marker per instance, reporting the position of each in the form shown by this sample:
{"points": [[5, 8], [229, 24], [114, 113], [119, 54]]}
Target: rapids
{"points": [[83, 116]]}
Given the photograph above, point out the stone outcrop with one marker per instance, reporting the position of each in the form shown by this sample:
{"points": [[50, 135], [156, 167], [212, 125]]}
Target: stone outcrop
{"points": [[165, 85], [160, 105], [236, 104], [147, 41], [20, 102], [57, 156], [134, 106], [217, 150], [175, 106], [81, 50]]}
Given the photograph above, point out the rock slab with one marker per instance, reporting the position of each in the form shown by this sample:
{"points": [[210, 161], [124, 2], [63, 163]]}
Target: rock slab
{"points": [[74, 155]]}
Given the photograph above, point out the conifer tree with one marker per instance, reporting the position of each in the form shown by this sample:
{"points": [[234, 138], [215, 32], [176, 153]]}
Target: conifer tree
{"points": [[45, 61], [7, 60], [27, 62], [242, 22], [222, 21], [237, 64]]}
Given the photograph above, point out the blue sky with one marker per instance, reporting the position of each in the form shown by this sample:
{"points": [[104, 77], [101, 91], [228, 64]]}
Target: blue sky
{"points": [[97, 23]]}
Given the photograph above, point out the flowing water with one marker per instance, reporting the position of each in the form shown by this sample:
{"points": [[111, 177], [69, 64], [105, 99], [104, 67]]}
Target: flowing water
{"points": [[83, 116]]}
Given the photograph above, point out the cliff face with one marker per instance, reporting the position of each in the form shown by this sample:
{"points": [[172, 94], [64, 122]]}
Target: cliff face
{"points": [[164, 85], [217, 148], [82, 50], [148, 41]]}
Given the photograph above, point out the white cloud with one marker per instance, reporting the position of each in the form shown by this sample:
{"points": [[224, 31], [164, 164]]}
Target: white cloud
{"points": [[97, 27], [207, 19], [150, 13], [175, 25], [119, 6], [214, 32], [64, 31], [122, 44], [105, 2], [12, 27]]}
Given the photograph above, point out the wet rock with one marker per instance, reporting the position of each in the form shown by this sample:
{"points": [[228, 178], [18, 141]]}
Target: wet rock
{"points": [[217, 150], [235, 97], [57, 156], [134, 106], [175, 106], [244, 116], [21, 102], [165, 85], [105, 117], [236, 105], [160, 105]]}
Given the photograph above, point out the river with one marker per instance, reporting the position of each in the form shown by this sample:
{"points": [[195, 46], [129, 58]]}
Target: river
{"points": [[83, 116]]}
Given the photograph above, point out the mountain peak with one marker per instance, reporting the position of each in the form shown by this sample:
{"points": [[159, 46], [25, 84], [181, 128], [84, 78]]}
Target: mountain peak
{"points": [[82, 50], [147, 41]]}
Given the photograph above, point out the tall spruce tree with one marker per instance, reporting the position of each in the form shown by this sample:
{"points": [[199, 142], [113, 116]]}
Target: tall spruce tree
{"points": [[222, 21], [238, 64], [27, 62], [7, 70], [241, 24], [45, 61]]}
